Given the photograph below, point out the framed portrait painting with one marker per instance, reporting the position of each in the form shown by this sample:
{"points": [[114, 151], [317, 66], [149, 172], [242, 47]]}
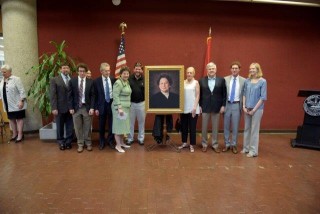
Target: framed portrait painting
{"points": [[164, 89]]}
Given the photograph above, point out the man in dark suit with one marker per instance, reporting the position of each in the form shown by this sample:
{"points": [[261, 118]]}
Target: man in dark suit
{"points": [[81, 97], [103, 87], [59, 106], [212, 103]]}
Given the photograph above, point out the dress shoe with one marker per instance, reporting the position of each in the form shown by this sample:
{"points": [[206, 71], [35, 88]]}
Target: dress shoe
{"points": [[129, 142], [89, 148], [243, 151], [101, 146], [141, 142], [111, 145], [14, 138], [225, 149], [216, 149], [62, 147], [204, 148], [80, 149], [119, 149], [234, 150], [19, 140], [68, 146], [251, 155]]}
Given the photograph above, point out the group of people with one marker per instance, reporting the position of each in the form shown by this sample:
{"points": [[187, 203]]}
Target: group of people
{"points": [[75, 100], [120, 102], [213, 96]]}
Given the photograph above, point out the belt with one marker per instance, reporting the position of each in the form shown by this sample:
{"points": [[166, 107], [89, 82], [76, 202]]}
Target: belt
{"points": [[234, 102]]}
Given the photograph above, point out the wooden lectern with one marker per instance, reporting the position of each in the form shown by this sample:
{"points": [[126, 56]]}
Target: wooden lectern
{"points": [[308, 134]]}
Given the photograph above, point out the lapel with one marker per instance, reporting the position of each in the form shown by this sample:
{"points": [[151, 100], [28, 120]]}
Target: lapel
{"points": [[60, 79]]}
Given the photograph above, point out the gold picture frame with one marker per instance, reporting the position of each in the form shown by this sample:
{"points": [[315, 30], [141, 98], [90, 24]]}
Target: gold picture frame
{"points": [[157, 102]]}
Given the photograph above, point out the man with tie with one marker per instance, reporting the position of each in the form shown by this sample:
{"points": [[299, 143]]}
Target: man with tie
{"points": [[59, 106], [212, 103], [234, 83], [103, 100], [81, 97]]}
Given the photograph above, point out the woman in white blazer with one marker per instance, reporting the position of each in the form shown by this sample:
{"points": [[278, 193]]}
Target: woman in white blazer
{"points": [[13, 96]]}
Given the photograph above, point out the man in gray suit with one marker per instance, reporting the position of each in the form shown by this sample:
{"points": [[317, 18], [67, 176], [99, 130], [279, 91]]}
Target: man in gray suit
{"points": [[59, 106], [234, 84]]}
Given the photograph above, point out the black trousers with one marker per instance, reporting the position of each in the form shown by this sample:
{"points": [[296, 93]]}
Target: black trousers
{"points": [[158, 125], [64, 120], [188, 125], [105, 117]]}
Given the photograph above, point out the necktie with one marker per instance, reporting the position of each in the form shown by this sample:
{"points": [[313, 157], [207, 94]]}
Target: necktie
{"points": [[66, 79], [107, 90], [80, 92], [233, 90]]}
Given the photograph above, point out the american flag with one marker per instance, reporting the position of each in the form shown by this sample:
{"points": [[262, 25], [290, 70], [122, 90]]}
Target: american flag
{"points": [[121, 58]]}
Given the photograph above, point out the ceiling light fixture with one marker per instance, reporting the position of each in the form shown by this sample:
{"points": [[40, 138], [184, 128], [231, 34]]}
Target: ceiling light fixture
{"points": [[116, 2]]}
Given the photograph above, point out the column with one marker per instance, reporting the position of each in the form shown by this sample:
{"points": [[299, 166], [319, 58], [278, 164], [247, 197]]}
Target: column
{"points": [[19, 23]]}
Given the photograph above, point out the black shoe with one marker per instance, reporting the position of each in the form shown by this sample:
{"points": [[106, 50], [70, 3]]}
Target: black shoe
{"points": [[22, 138], [62, 147], [68, 146], [158, 140], [111, 145], [101, 146], [14, 138], [141, 143]]}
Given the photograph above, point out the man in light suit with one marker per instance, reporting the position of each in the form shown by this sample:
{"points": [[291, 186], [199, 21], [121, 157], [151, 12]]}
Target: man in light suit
{"points": [[59, 106], [212, 103], [81, 105], [103, 100], [234, 83]]}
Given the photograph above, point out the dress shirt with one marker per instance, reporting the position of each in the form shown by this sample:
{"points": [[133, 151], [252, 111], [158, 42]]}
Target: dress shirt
{"points": [[211, 83], [65, 78]]}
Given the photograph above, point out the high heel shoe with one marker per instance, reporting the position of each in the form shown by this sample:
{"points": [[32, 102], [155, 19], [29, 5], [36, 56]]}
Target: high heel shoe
{"points": [[14, 138], [119, 149], [22, 138]]}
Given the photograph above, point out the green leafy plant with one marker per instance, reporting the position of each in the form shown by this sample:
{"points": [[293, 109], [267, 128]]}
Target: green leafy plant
{"points": [[49, 66]]}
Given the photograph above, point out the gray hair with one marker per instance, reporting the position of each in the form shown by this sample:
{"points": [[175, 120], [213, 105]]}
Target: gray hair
{"points": [[211, 64], [103, 66], [6, 67]]}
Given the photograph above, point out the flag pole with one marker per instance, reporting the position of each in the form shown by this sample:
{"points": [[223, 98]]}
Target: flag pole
{"points": [[121, 58]]}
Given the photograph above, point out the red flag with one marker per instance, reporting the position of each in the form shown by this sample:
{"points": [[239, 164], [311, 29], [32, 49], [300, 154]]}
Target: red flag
{"points": [[208, 54], [121, 58]]}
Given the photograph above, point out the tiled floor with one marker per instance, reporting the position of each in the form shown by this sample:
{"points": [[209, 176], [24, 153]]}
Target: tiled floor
{"points": [[36, 177]]}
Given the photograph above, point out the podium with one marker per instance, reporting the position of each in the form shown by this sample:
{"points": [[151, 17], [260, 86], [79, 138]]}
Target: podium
{"points": [[308, 134]]}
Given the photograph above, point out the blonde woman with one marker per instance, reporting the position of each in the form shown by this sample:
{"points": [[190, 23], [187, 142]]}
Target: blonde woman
{"points": [[191, 110], [254, 97]]}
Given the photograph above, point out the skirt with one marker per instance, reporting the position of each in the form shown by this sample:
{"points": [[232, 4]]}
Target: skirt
{"points": [[120, 127], [16, 114]]}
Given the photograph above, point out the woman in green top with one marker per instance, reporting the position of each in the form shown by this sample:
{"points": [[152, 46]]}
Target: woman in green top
{"points": [[121, 108]]}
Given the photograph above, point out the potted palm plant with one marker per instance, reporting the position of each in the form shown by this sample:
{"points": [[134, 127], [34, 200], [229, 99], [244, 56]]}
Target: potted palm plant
{"points": [[49, 66]]}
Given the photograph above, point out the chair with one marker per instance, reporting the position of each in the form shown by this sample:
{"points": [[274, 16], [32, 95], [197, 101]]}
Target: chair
{"points": [[3, 132]]}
